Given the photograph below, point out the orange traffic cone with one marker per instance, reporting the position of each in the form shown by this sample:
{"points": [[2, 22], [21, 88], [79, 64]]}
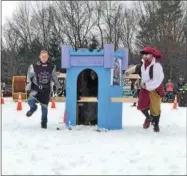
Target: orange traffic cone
{"points": [[2, 99], [175, 104], [19, 105], [53, 104], [65, 116]]}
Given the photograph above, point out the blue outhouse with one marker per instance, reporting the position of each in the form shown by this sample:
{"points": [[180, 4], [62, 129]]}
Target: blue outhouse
{"points": [[108, 65]]}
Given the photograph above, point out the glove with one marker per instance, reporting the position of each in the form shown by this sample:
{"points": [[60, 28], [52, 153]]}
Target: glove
{"points": [[142, 85]]}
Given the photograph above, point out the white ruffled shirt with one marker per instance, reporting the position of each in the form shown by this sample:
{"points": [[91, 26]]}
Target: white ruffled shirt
{"points": [[158, 75]]}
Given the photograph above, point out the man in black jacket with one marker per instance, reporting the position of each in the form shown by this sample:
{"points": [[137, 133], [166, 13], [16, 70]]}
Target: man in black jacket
{"points": [[39, 78]]}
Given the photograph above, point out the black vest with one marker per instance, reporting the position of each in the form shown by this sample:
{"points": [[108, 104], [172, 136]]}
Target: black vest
{"points": [[43, 74], [138, 70]]}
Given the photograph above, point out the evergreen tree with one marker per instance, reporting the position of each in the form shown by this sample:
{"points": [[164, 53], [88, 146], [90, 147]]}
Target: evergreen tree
{"points": [[158, 23], [159, 29], [35, 49]]}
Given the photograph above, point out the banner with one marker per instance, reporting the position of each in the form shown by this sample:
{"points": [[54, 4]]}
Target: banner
{"points": [[116, 72]]}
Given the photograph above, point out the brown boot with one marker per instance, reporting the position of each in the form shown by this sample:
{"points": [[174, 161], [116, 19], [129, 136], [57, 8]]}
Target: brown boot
{"points": [[29, 113]]}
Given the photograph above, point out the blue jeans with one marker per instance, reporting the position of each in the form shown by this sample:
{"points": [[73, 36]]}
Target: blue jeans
{"points": [[33, 108], [170, 95]]}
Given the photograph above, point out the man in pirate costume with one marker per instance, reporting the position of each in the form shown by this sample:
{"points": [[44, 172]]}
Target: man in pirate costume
{"points": [[151, 91], [39, 85]]}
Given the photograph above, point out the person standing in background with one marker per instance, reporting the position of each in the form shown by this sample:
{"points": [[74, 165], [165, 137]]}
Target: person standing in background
{"points": [[170, 89], [181, 82]]}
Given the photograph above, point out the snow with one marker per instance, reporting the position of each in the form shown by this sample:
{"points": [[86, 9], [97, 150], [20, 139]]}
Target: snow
{"points": [[27, 149]]}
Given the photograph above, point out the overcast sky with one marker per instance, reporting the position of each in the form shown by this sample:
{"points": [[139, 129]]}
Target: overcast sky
{"points": [[9, 6], [7, 9]]}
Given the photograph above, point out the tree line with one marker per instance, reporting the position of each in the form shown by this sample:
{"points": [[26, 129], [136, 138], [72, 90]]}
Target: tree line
{"points": [[91, 24]]}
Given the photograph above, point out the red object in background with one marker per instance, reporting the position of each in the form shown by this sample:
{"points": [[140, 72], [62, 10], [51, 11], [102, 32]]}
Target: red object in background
{"points": [[2, 99], [175, 104], [7, 94], [53, 104], [19, 105]]}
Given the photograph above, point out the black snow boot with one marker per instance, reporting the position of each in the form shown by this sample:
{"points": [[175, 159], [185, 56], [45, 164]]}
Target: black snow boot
{"points": [[155, 123], [44, 126], [148, 119]]}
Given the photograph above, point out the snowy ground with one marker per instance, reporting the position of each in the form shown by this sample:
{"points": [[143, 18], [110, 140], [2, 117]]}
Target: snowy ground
{"points": [[28, 149]]}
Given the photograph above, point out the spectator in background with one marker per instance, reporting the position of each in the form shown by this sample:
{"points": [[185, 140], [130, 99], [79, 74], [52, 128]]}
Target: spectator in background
{"points": [[185, 86], [181, 82], [182, 96], [169, 89]]}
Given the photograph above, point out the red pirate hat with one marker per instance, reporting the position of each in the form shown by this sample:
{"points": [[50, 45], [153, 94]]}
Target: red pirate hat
{"points": [[147, 50], [157, 54]]}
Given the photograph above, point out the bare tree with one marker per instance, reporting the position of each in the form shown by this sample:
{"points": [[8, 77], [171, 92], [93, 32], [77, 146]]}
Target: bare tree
{"points": [[161, 26], [99, 6], [43, 14], [10, 38], [48, 24], [20, 23], [112, 18], [57, 26], [17, 35], [129, 30], [9, 62], [76, 20]]}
